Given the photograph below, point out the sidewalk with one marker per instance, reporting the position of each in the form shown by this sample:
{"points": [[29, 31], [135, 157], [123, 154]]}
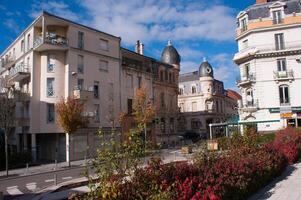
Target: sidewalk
{"points": [[285, 187], [40, 169]]}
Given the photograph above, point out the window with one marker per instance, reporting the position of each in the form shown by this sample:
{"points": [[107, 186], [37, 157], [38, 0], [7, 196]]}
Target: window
{"points": [[50, 63], [277, 17], [162, 100], [130, 106], [181, 91], [166, 75], [244, 26], [194, 106], [22, 46], [250, 100], [281, 65], [50, 113], [181, 107], [96, 89], [28, 42], [217, 106], [279, 41], [103, 65], [129, 81], [80, 43], [97, 119], [80, 84], [161, 75], [50, 87], [193, 89], [139, 81], [80, 64], [172, 124], [194, 124], [170, 79], [246, 71], [284, 95], [163, 125], [245, 44], [104, 44]]}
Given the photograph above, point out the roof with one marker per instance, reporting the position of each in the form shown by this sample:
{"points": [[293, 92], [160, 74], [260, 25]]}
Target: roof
{"points": [[170, 55], [233, 95], [257, 11], [191, 76]]}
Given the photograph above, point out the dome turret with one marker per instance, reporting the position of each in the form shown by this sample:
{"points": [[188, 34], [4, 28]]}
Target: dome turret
{"points": [[170, 55], [205, 69]]}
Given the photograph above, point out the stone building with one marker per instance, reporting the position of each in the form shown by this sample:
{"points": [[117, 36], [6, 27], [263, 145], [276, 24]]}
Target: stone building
{"points": [[203, 101]]}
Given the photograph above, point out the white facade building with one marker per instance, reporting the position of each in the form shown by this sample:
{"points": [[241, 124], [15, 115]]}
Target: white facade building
{"points": [[269, 59]]}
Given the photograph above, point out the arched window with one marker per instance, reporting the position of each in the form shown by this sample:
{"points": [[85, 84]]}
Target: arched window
{"points": [[193, 89], [181, 91], [249, 97], [284, 95]]}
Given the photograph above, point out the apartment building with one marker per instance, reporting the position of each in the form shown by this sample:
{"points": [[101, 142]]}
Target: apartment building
{"points": [[269, 59], [52, 59], [204, 101], [160, 79]]}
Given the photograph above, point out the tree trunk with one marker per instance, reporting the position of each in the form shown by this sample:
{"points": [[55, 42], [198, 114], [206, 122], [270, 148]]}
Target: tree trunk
{"points": [[68, 149], [6, 153]]}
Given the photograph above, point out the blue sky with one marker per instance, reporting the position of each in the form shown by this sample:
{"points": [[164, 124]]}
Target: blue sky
{"points": [[197, 28]]}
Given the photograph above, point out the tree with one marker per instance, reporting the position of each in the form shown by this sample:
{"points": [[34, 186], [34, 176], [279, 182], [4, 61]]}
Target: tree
{"points": [[7, 113], [143, 108], [71, 119]]}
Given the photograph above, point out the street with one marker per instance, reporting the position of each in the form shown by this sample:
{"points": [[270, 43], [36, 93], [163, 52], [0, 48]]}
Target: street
{"points": [[28, 185]]}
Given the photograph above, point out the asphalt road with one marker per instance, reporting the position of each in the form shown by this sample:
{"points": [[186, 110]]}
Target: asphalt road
{"points": [[24, 186]]}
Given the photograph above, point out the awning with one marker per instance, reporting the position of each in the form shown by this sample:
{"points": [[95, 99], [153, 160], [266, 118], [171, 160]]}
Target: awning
{"points": [[234, 121], [259, 122]]}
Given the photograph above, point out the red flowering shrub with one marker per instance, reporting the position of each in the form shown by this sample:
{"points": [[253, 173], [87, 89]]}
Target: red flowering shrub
{"points": [[288, 142]]}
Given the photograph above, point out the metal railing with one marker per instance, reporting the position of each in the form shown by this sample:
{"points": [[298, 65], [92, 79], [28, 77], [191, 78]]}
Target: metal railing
{"points": [[7, 60], [288, 74], [21, 67], [51, 38], [245, 79]]}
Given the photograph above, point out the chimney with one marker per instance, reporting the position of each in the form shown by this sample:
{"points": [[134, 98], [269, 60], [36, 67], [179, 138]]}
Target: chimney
{"points": [[137, 47], [261, 1], [141, 48]]}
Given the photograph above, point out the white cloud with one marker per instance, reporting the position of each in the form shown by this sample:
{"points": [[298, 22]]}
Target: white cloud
{"points": [[151, 20], [187, 52], [189, 66], [12, 25], [56, 7]]}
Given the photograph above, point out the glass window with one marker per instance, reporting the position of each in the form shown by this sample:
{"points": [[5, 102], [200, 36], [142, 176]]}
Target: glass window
{"points": [[97, 118], [139, 82], [80, 84], [246, 70], [279, 41], [50, 113], [129, 81], [28, 42], [80, 44], [130, 106], [80, 64], [277, 17], [103, 65], [193, 89], [281, 64], [161, 75], [22, 46], [284, 95], [50, 63], [50, 87], [244, 26], [181, 91], [96, 89], [104, 44], [245, 44], [162, 100]]}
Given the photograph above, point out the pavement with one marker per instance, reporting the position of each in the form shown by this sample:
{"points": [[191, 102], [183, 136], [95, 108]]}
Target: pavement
{"points": [[285, 187], [41, 182]]}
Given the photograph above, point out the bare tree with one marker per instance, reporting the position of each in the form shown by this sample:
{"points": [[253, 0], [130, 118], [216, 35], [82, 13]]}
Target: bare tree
{"points": [[7, 113]]}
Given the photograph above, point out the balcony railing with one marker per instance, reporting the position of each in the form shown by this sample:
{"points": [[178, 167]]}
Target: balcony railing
{"points": [[83, 93], [271, 47], [19, 72], [250, 106], [284, 75], [51, 38], [7, 61], [245, 80]]}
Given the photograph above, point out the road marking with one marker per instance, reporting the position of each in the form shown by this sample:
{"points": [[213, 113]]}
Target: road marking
{"points": [[49, 180], [13, 190], [68, 177], [31, 186]]}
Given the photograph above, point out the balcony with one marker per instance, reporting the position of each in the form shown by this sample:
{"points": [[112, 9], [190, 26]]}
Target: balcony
{"points": [[52, 41], [18, 72], [245, 80], [250, 106], [83, 94], [244, 54], [7, 61], [284, 75]]}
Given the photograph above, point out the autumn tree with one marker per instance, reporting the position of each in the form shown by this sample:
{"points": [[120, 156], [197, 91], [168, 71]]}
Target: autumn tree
{"points": [[70, 117], [7, 113], [143, 108]]}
